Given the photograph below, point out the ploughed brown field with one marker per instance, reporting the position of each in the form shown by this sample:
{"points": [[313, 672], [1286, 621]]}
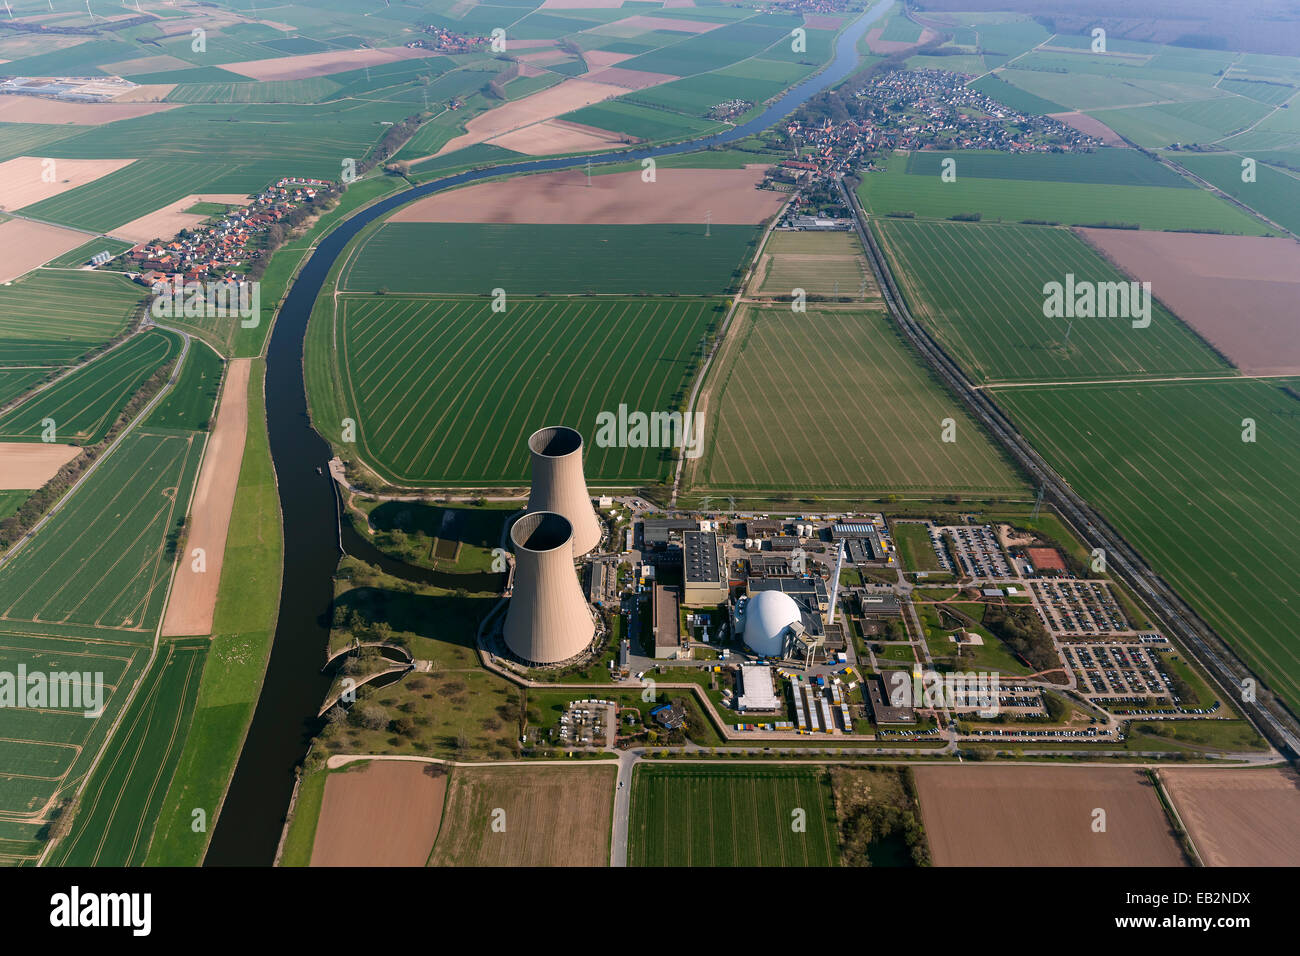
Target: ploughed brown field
{"points": [[552, 816], [1238, 292], [1239, 817], [1091, 126], [308, 65], [1043, 816], [16, 108], [24, 245], [385, 814], [676, 195], [26, 179], [28, 465]]}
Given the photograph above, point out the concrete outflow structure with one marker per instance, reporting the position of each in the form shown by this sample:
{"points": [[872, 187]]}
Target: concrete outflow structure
{"points": [[548, 620], [559, 484]]}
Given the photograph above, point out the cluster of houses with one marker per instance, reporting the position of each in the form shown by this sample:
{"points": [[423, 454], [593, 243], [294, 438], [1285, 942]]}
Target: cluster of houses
{"points": [[729, 108], [225, 247], [442, 40], [913, 109]]}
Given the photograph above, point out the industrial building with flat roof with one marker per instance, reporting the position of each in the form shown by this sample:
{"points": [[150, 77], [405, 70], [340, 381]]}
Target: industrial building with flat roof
{"points": [[704, 570], [878, 698], [666, 621], [658, 533], [756, 690]]}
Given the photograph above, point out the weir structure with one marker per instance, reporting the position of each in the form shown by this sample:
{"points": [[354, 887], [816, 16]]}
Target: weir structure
{"points": [[559, 484], [548, 620]]}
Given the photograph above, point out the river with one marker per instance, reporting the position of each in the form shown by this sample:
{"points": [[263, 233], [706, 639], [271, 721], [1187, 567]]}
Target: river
{"points": [[252, 817]]}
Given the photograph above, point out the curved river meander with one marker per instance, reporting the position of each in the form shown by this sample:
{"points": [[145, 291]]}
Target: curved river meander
{"points": [[252, 817]]}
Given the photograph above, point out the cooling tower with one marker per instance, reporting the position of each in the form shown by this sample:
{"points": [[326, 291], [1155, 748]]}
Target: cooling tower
{"points": [[560, 486], [548, 620]]}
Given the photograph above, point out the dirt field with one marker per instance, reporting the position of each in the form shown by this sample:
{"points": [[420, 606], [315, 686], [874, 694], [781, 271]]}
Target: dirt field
{"points": [[147, 64], [545, 104], [1238, 292], [1043, 816], [815, 21], [877, 45], [15, 108], [628, 79], [21, 183], [320, 64], [599, 59], [1091, 126], [25, 245], [581, 4], [556, 136], [645, 24], [386, 814], [554, 816], [146, 93], [28, 465], [1239, 817], [677, 195], [170, 219], [194, 595]]}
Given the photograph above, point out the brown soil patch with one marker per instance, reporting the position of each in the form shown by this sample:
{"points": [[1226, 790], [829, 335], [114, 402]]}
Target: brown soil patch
{"points": [[386, 814], [629, 79], [677, 195], [553, 816], [194, 596], [320, 64], [599, 59], [1043, 816], [146, 93], [557, 100], [643, 24], [581, 4], [544, 57], [815, 21], [1090, 126], [170, 219], [1238, 292], [25, 245], [147, 64], [1239, 817], [28, 465], [15, 108], [877, 45], [557, 136], [21, 181]]}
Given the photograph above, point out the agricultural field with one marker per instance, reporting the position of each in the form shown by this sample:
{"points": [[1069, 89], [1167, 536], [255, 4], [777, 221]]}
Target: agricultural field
{"points": [[1196, 121], [120, 804], [993, 85], [554, 816], [980, 290], [475, 258], [730, 816], [191, 400], [1155, 458], [379, 813], [820, 263], [1043, 816], [642, 122], [51, 317], [83, 253], [454, 414], [1248, 817], [101, 564], [1089, 197], [1115, 167], [84, 404], [762, 433], [1274, 193]]}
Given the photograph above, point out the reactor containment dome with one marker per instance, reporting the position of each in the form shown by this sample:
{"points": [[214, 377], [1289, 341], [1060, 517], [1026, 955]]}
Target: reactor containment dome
{"points": [[559, 484], [771, 618]]}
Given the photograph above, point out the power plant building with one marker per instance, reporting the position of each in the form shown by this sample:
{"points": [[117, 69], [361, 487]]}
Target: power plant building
{"points": [[704, 569], [548, 620], [559, 484]]}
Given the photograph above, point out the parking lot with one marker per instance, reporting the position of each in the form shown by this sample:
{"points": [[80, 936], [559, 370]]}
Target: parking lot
{"points": [[1127, 672], [1080, 607], [978, 551]]}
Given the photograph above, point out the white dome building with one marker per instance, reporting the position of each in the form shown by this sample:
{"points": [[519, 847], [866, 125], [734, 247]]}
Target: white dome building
{"points": [[769, 617]]}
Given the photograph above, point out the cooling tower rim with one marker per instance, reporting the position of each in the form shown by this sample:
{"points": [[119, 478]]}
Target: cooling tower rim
{"points": [[551, 432], [533, 521]]}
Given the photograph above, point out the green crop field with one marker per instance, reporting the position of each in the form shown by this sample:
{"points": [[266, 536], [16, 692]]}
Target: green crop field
{"points": [[1274, 193], [472, 385], [1014, 97], [872, 418], [643, 122], [82, 254], [46, 749], [1157, 459], [121, 801], [52, 316], [731, 816], [15, 381], [103, 560], [1000, 199], [84, 403], [475, 258], [190, 403], [979, 290], [1196, 121], [820, 263], [311, 90], [1118, 167]]}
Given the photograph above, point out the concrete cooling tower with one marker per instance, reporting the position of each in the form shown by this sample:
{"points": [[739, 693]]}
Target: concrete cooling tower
{"points": [[559, 484], [548, 620]]}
